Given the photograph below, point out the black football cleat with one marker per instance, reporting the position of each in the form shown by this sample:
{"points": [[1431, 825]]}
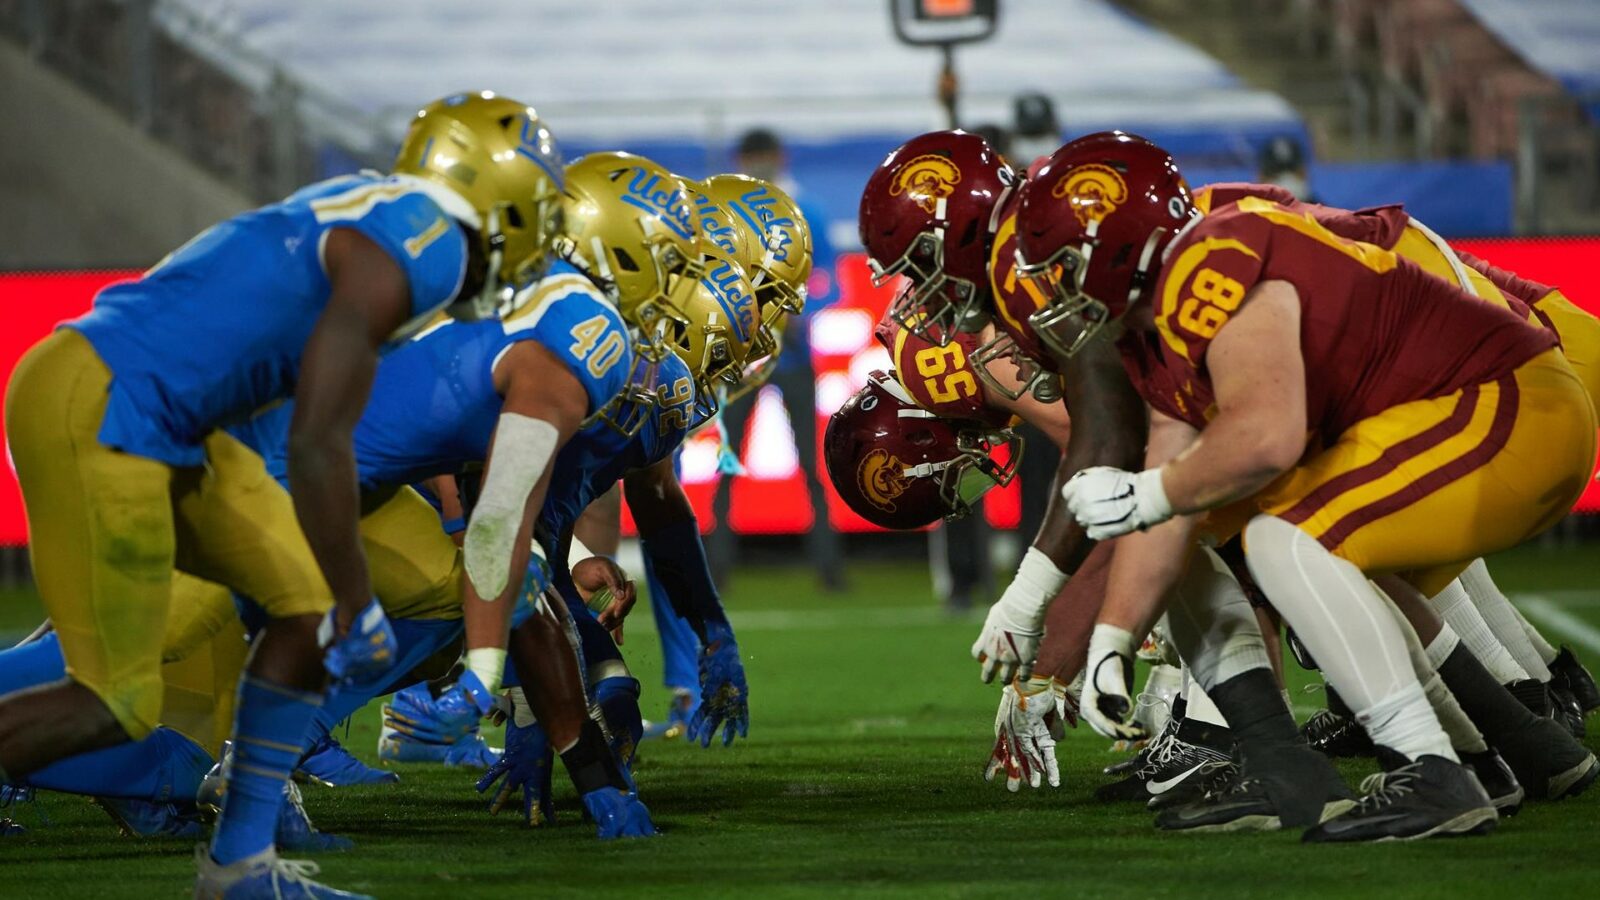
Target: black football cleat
{"points": [[1547, 760], [1534, 695], [1277, 786], [1213, 776], [1239, 804], [1334, 735], [1141, 759], [1175, 763], [1570, 675], [1430, 797], [1504, 791], [1569, 712]]}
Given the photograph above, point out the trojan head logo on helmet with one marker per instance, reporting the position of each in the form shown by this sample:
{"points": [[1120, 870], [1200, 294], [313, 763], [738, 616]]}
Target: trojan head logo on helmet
{"points": [[926, 181], [899, 466], [496, 154], [629, 226], [928, 213], [1094, 192], [1091, 226]]}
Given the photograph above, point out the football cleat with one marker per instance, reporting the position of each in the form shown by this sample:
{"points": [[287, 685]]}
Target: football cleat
{"points": [[8, 828], [1548, 762], [147, 819], [1334, 735], [618, 815], [1532, 694], [1504, 791], [1432, 796], [329, 764], [1172, 765], [296, 833], [1276, 785], [1567, 674], [261, 877], [1212, 776], [1568, 711], [680, 710], [468, 753]]}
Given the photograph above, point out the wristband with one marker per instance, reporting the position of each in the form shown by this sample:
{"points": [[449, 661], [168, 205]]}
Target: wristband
{"points": [[1029, 594], [486, 665]]}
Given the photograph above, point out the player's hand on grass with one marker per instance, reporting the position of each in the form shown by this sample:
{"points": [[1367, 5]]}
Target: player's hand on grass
{"points": [[524, 766], [1107, 702], [1110, 502], [724, 694], [1029, 722]]}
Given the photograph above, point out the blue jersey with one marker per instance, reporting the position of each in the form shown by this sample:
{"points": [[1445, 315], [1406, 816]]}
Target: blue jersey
{"points": [[599, 455], [433, 406], [215, 331]]}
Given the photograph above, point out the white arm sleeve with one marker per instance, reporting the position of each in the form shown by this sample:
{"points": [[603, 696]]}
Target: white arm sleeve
{"points": [[523, 448]]}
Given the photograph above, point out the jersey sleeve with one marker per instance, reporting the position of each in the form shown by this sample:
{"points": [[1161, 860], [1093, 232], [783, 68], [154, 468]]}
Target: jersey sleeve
{"points": [[581, 329], [1529, 292], [427, 243], [1203, 284]]}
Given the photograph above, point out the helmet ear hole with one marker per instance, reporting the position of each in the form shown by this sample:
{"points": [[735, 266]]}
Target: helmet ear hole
{"points": [[513, 217], [1121, 259], [970, 234], [624, 261]]}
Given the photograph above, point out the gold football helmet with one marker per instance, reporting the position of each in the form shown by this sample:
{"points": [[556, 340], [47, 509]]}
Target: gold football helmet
{"points": [[629, 226], [782, 260], [498, 155], [721, 322]]}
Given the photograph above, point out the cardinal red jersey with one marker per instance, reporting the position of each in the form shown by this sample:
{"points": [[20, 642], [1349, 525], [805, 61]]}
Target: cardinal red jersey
{"points": [[1376, 330], [1165, 380], [939, 379]]}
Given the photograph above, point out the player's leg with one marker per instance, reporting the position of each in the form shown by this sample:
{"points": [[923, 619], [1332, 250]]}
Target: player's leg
{"points": [[1283, 781], [237, 527], [799, 387], [680, 658], [102, 548]]}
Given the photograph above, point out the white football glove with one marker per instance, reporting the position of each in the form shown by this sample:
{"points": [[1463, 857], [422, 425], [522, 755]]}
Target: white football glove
{"points": [[1010, 638], [1107, 703], [1031, 718], [1109, 502]]}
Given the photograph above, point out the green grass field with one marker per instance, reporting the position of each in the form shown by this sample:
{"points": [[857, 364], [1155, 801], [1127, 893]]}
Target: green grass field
{"points": [[862, 774]]}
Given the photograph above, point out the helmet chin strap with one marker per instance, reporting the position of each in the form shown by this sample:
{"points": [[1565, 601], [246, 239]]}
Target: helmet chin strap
{"points": [[1141, 271]]}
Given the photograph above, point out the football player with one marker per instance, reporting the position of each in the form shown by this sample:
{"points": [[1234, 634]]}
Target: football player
{"points": [[1454, 417], [949, 251], [113, 425]]}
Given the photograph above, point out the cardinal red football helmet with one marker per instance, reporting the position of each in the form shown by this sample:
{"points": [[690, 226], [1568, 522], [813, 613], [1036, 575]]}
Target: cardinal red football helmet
{"points": [[899, 466], [927, 213], [1090, 230]]}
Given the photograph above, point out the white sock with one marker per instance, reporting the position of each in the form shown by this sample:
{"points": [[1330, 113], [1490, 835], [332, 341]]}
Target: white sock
{"points": [[1464, 736], [1404, 722], [1198, 706], [1504, 620], [1334, 610], [1443, 644], [1547, 654], [1211, 623], [1457, 608]]}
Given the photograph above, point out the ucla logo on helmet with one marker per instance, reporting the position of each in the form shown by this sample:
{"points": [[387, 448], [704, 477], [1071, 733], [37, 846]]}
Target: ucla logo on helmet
{"points": [[714, 224], [882, 479], [1094, 191], [653, 193], [724, 282], [927, 179], [778, 230]]}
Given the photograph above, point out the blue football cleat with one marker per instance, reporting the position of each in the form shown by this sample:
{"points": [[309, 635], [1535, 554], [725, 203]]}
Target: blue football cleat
{"points": [[296, 833], [468, 753], [618, 815], [10, 793], [367, 650], [9, 828], [329, 764], [146, 819], [680, 710], [262, 877], [472, 753]]}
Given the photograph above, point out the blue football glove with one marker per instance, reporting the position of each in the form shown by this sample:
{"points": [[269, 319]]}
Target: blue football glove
{"points": [[366, 651], [445, 719], [618, 815], [524, 765], [724, 695]]}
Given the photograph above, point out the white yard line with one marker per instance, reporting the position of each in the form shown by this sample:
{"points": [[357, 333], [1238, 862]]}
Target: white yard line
{"points": [[1542, 607]]}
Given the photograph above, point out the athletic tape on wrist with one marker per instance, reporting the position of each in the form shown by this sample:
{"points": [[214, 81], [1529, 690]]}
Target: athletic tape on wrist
{"points": [[522, 449], [1037, 582], [489, 664]]}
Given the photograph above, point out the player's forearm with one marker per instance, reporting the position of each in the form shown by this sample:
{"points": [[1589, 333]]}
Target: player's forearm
{"points": [[1234, 458], [678, 558], [1145, 567], [1071, 617], [323, 484]]}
